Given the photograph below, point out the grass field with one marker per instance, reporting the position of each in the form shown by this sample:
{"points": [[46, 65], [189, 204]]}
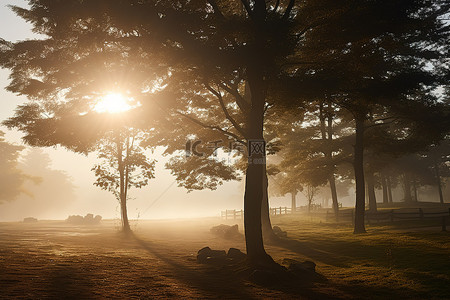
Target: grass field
{"points": [[50, 259]]}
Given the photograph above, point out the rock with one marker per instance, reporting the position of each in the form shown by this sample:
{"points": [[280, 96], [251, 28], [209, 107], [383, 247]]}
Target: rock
{"points": [[97, 219], [206, 255], [278, 232], [30, 220], [236, 254], [226, 231]]}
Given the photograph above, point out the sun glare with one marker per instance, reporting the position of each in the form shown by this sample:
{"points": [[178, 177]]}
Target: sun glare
{"points": [[112, 103]]}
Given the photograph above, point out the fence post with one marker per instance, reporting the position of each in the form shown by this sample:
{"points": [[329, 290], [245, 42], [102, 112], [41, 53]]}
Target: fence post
{"points": [[392, 215], [420, 213], [242, 214], [285, 210], [444, 226], [234, 214]]}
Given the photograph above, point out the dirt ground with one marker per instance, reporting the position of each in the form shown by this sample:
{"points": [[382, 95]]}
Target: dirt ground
{"points": [[51, 259]]}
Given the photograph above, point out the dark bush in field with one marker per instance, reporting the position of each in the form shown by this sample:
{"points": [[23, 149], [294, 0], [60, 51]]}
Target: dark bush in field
{"points": [[89, 219]]}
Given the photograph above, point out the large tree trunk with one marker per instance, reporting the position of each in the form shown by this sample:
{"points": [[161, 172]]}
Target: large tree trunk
{"points": [[358, 165], [267, 230], [385, 189], [256, 171], [438, 182], [371, 192]]}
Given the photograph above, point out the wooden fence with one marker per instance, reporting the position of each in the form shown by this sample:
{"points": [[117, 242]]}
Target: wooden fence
{"points": [[232, 214]]}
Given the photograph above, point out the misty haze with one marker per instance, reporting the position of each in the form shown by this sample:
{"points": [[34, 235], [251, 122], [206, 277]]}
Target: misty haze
{"points": [[243, 149]]}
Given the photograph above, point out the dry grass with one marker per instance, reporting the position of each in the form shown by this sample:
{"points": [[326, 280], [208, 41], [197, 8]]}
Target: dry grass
{"points": [[54, 260]]}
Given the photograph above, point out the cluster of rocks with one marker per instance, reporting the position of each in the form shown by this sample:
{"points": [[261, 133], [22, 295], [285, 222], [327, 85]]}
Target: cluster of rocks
{"points": [[208, 256], [30, 220], [278, 232], [89, 219], [226, 231]]}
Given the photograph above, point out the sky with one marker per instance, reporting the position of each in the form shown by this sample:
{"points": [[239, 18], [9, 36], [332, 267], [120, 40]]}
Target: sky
{"points": [[162, 198]]}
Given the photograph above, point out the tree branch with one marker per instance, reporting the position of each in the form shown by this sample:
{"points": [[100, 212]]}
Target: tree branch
{"points": [[276, 6], [225, 110], [247, 7], [240, 101], [288, 9], [200, 123], [217, 11]]}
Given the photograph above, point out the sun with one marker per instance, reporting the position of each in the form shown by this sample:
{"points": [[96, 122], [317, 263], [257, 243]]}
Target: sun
{"points": [[113, 103]]}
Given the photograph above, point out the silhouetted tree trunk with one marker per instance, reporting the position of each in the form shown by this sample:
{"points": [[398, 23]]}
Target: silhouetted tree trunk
{"points": [[389, 188], [358, 165], [267, 230], [438, 182], [256, 170], [407, 188], [371, 192], [122, 188], [385, 189]]}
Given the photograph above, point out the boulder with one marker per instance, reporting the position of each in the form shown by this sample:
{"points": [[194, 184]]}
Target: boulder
{"points": [[226, 231], [278, 232], [206, 255], [236, 254]]}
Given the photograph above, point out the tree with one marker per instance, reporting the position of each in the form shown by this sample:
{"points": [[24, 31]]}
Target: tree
{"points": [[375, 54], [218, 44], [124, 165], [12, 178]]}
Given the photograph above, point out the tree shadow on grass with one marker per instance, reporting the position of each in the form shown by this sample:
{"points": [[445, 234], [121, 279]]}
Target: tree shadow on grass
{"points": [[228, 281]]}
